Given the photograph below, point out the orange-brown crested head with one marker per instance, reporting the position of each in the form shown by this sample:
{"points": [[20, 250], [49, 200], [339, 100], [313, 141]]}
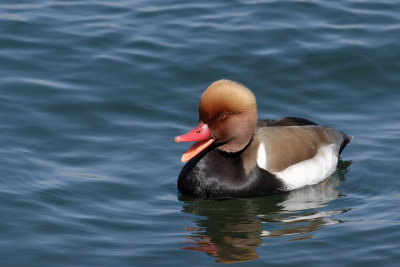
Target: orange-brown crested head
{"points": [[230, 111]]}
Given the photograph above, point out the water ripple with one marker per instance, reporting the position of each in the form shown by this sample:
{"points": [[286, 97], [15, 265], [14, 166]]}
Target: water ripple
{"points": [[92, 93]]}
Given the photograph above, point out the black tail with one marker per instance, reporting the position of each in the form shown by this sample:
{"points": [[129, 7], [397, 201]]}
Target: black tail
{"points": [[347, 139]]}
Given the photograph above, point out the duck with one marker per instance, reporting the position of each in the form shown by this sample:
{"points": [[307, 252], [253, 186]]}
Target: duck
{"points": [[237, 155]]}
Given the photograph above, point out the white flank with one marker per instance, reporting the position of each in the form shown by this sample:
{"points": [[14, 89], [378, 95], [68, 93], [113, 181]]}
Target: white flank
{"points": [[262, 157], [311, 171]]}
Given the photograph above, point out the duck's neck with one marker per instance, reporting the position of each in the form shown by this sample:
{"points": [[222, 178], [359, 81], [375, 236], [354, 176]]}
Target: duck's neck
{"points": [[235, 147]]}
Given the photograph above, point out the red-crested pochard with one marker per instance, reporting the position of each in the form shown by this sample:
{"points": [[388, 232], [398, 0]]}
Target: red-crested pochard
{"points": [[237, 155]]}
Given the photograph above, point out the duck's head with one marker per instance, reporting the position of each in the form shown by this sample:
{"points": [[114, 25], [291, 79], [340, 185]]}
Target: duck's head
{"points": [[228, 117]]}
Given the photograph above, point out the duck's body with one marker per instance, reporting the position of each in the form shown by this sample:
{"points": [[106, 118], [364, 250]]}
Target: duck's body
{"points": [[238, 156]]}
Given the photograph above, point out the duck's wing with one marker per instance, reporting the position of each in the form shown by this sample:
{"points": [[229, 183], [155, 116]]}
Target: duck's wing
{"points": [[298, 155]]}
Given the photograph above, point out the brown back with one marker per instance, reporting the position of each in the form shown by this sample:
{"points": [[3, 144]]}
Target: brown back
{"points": [[288, 145]]}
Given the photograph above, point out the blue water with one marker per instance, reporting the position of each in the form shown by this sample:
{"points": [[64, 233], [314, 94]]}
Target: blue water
{"points": [[93, 92]]}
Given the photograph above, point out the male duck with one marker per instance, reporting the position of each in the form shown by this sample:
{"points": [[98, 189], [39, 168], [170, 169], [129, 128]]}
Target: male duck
{"points": [[236, 155]]}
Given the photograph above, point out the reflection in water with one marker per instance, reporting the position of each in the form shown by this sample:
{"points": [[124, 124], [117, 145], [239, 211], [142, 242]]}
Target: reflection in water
{"points": [[231, 230]]}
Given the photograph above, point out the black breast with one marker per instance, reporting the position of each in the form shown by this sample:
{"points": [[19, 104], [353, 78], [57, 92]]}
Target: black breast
{"points": [[216, 174]]}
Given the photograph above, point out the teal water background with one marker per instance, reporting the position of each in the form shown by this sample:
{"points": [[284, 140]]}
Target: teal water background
{"points": [[93, 92]]}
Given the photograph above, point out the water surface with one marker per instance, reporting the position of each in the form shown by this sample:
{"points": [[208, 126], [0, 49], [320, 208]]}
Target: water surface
{"points": [[93, 92]]}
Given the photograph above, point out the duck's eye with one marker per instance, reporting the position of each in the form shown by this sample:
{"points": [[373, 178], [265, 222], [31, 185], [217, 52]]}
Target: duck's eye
{"points": [[224, 115]]}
